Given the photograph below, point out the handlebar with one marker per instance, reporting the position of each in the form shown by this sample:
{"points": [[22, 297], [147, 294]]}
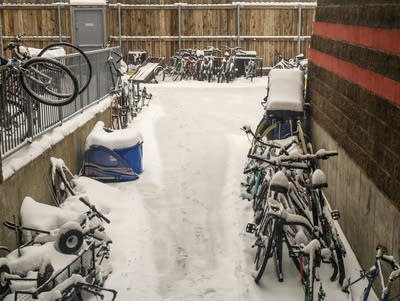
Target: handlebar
{"points": [[278, 163], [320, 154], [381, 254], [94, 209], [247, 130]]}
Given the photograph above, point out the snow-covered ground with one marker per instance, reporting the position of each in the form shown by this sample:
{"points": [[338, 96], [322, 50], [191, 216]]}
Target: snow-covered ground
{"points": [[179, 231]]}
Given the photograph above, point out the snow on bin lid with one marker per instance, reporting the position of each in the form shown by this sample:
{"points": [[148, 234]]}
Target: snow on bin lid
{"points": [[285, 90], [115, 139]]}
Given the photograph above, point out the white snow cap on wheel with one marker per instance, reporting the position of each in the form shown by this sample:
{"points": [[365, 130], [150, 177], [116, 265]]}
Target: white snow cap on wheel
{"points": [[69, 226]]}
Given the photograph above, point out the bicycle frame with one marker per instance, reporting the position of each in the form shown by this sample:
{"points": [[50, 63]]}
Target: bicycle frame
{"points": [[376, 271]]}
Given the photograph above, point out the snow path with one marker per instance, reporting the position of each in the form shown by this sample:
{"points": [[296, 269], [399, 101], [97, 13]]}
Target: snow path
{"points": [[178, 231]]}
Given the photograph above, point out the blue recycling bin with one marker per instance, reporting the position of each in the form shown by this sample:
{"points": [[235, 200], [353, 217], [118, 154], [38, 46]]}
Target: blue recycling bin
{"points": [[134, 156]]}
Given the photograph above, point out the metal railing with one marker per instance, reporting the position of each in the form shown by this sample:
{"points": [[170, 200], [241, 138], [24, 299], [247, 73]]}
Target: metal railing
{"points": [[23, 118]]}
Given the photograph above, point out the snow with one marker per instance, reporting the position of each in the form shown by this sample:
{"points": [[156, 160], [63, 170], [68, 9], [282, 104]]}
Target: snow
{"points": [[115, 139], [51, 53], [285, 90], [45, 217], [179, 231]]}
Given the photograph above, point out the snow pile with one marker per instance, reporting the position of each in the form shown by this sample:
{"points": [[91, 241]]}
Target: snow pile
{"points": [[45, 217], [112, 139], [50, 53]]}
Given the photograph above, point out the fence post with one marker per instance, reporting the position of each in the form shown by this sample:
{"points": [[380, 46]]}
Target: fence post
{"points": [[29, 116], [179, 26], [3, 93], [59, 22], [238, 24], [299, 29], [119, 25], [1, 34]]}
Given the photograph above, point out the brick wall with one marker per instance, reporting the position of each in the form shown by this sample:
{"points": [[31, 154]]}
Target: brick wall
{"points": [[355, 84]]}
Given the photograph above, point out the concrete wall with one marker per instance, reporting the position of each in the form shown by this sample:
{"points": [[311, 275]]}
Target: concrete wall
{"points": [[368, 217], [34, 179]]}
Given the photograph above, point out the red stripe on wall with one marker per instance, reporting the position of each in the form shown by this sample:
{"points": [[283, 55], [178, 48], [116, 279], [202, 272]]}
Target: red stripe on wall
{"points": [[374, 82], [378, 38]]}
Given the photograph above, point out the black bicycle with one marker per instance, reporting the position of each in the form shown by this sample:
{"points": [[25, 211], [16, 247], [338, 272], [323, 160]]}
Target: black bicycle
{"points": [[46, 80]]}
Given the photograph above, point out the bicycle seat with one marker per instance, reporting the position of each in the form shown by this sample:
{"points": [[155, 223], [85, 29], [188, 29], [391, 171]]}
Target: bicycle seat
{"points": [[279, 183], [319, 179]]}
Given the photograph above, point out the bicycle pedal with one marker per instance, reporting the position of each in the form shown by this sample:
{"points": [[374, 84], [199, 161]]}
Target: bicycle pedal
{"points": [[251, 228], [335, 214]]}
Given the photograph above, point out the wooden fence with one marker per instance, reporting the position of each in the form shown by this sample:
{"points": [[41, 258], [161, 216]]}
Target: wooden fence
{"points": [[162, 29]]}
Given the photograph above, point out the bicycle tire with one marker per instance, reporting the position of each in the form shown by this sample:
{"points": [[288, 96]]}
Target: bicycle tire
{"points": [[268, 230], [45, 275], [331, 241], [158, 74], [46, 94], [65, 44], [124, 118], [307, 278], [69, 239], [175, 76], [278, 256], [61, 188], [340, 261], [4, 283]]}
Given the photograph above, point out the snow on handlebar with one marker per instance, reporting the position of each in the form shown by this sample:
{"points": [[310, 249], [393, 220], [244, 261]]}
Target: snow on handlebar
{"points": [[278, 163], [320, 154]]}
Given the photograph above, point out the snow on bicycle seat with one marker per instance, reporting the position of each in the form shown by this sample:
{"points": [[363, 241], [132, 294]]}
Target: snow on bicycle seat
{"points": [[285, 92]]}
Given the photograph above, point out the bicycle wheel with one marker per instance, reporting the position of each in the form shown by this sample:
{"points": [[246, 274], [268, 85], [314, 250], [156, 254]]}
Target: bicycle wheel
{"points": [[307, 278], [264, 249], [158, 74], [333, 243], [79, 60], [49, 81], [339, 258], [61, 186], [278, 256]]}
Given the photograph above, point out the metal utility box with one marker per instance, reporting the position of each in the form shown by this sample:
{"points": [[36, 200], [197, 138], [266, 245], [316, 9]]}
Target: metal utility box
{"points": [[89, 27]]}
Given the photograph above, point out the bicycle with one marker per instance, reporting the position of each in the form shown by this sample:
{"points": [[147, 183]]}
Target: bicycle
{"points": [[376, 271], [225, 71], [45, 80], [280, 226], [312, 196], [76, 57], [119, 89], [251, 70]]}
